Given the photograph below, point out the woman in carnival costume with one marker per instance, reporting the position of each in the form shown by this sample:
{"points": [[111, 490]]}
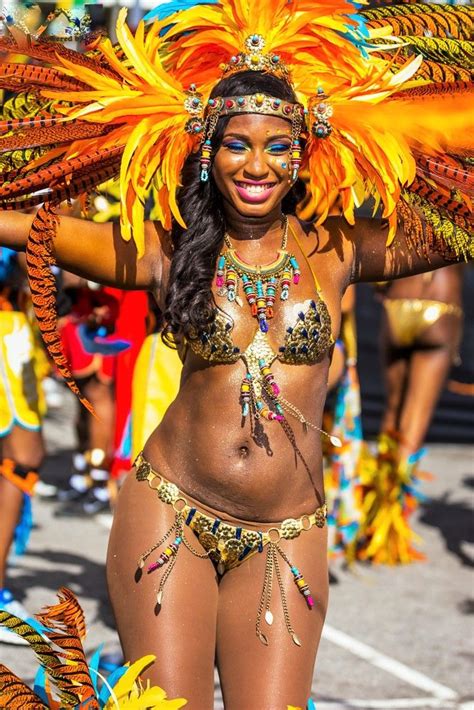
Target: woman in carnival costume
{"points": [[220, 529], [22, 407], [421, 333]]}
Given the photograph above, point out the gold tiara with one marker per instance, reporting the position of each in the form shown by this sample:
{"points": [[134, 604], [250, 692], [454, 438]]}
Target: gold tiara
{"points": [[254, 103]]}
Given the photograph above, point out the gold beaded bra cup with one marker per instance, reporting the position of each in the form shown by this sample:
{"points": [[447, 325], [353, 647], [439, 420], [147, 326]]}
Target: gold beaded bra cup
{"points": [[305, 342]]}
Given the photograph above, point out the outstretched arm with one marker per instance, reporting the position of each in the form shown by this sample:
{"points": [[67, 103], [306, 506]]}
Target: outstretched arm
{"points": [[96, 252], [374, 261]]}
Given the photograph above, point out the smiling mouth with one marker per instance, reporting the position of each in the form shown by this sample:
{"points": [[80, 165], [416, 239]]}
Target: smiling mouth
{"points": [[254, 191]]}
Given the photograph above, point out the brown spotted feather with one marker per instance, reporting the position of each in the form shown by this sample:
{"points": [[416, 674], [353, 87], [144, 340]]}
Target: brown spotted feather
{"points": [[39, 259]]}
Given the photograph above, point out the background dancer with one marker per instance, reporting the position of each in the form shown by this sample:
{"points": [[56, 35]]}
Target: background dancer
{"points": [[421, 333], [22, 407]]}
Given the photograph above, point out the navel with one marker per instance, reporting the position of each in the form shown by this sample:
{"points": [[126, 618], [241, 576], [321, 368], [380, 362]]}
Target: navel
{"points": [[244, 452]]}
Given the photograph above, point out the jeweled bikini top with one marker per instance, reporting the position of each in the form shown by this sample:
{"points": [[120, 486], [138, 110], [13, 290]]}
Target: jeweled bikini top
{"points": [[305, 342]]}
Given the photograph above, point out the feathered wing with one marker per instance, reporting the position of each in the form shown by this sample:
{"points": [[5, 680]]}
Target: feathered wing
{"points": [[76, 122], [434, 112], [46, 655]]}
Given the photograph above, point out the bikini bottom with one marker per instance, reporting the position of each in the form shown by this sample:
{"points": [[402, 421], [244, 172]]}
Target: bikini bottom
{"points": [[408, 318], [226, 544]]}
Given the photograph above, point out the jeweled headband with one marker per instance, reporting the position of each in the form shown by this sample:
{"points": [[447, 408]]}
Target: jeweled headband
{"points": [[262, 104]]}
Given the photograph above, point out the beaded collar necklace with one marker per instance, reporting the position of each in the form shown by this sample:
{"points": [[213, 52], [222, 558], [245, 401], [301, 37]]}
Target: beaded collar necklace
{"points": [[260, 283]]}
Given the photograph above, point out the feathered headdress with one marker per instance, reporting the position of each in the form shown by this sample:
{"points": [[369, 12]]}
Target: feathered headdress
{"points": [[391, 120]]}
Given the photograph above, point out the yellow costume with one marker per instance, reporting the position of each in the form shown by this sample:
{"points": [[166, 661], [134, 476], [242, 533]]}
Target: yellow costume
{"points": [[408, 318], [155, 385], [21, 397]]}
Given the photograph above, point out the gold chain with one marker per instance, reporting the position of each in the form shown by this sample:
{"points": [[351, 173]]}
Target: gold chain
{"points": [[142, 559], [284, 603], [202, 556], [266, 594]]}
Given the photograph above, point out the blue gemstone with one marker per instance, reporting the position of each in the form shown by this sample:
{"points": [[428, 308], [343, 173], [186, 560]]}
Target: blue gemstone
{"points": [[304, 332], [289, 330], [293, 349], [282, 349], [191, 515], [217, 522], [304, 349], [301, 315]]}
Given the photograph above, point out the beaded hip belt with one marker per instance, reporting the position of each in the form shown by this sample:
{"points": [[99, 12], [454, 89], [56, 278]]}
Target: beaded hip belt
{"points": [[226, 544]]}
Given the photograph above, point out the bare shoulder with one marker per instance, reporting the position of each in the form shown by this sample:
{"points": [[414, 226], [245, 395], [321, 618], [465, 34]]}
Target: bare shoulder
{"points": [[329, 247]]}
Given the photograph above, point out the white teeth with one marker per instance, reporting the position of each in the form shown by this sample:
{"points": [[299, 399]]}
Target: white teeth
{"points": [[255, 189]]}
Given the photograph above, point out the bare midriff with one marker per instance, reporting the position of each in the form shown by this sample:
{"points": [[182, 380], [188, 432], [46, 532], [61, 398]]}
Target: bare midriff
{"points": [[201, 446]]}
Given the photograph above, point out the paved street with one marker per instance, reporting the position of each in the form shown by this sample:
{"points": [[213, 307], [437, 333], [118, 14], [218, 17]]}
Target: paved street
{"points": [[395, 638]]}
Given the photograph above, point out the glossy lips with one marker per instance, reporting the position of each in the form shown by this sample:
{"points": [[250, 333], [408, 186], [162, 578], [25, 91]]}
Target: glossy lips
{"points": [[253, 191]]}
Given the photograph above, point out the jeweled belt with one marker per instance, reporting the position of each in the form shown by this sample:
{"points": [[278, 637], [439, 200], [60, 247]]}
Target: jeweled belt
{"points": [[225, 543]]}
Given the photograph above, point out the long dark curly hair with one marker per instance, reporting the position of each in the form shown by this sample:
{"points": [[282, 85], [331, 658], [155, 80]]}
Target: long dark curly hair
{"points": [[190, 306]]}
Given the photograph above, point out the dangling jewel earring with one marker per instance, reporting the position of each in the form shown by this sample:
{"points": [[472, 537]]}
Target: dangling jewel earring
{"points": [[206, 152], [295, 159], [295, 150]]}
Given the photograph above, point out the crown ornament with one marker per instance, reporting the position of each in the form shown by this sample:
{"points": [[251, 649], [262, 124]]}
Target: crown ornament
{"points": [[320, 112], [253, 58], [194, 106]]}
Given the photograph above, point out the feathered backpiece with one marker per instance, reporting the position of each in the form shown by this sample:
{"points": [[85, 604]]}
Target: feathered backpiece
{"points": [[65, 679], [388, 95]]}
